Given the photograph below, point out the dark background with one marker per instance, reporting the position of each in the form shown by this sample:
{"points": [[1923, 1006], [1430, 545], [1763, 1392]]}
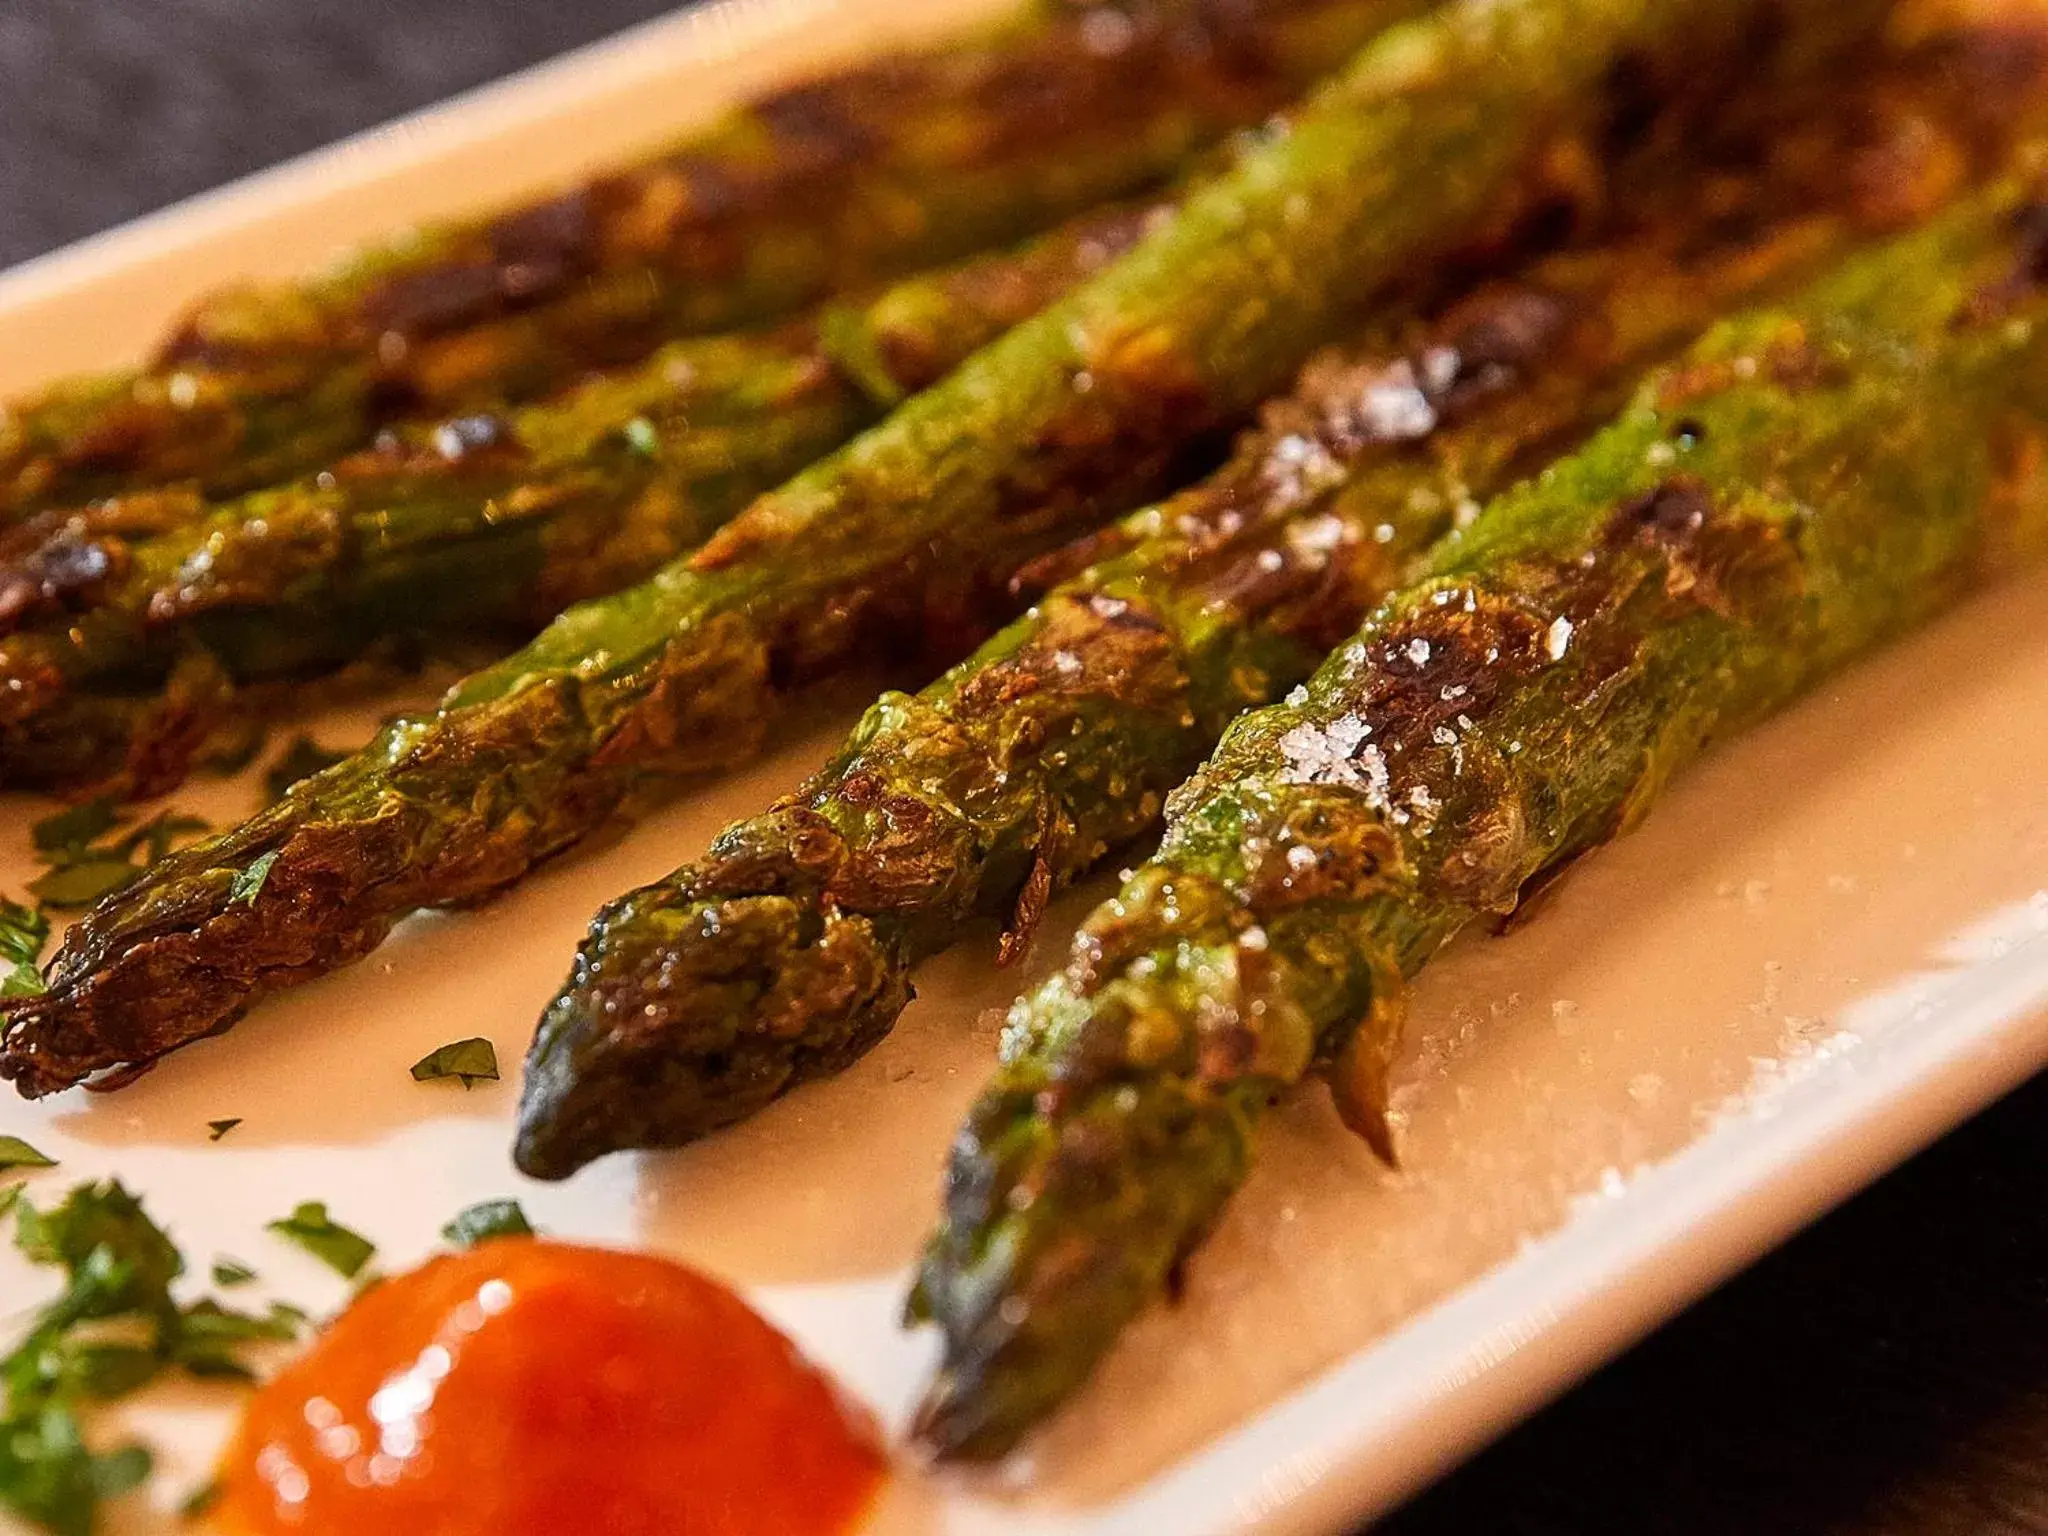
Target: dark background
{"points": [[1886, 1373]]}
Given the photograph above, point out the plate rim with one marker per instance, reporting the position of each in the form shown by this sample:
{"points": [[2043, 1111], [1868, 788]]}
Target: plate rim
{"points": [[1460, 1372]]}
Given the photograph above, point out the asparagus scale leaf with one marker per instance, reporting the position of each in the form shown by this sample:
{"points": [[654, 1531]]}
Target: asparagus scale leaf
{"points": [[913, 528], [486, 524], [824, 187], [786, 952], [1808, 483]]}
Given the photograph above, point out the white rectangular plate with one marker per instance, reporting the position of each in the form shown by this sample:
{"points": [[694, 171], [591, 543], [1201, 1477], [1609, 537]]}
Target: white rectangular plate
{"points": [[1828, 947]]}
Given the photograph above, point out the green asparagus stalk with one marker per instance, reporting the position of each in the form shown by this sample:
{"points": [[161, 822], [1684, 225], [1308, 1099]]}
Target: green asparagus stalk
{"points": [[1807, 484], [826, 187], [912, 529], [486, 525], [786, 952]]}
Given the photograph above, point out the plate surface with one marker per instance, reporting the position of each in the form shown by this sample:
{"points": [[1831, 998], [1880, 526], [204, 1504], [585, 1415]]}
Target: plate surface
{"points": [[1830, 945]]}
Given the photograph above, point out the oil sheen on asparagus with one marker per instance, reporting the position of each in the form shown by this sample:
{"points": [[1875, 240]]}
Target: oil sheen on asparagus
{"points": [[1805, 485], [913, 529], [486, 525], [824, 187], [785, 953]]}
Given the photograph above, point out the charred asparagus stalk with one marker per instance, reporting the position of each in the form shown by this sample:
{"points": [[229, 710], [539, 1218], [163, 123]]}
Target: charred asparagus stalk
{"points": [[786, 952], [484, 525], [826, 187], [1808, 483], [910, 529]]}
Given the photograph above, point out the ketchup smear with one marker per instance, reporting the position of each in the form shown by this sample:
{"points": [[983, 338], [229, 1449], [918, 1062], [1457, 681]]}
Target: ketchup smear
{"points": [[530, 1388]]}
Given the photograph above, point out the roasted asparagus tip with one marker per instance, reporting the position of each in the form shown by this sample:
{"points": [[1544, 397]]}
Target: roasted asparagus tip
{"points": [[955, 1422], [684, 1014], [1063, 1219], [42, 1053]]}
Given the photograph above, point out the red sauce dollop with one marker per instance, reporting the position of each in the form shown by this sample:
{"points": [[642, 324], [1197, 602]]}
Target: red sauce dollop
{"points": [[529, 1387]]}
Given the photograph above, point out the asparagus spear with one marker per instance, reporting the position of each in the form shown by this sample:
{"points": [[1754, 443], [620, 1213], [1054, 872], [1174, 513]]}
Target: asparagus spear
{"points": [[483, 524], [824, 187], [1806, 484], [785, 953], [906, 531]]}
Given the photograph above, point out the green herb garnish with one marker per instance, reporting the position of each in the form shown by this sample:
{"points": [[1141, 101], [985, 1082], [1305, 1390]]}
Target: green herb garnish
{"points": [[68, 887], [23, 933], [248, 883], [112, 1329], [485, 1220], [118, 1259], [157, 836], [473, 1061], [87, 862], [200, 1500], [285, 1312], [231, 1272], [16, 1153], [211, 1333], [70, 831], [49, 1476], [341, 1250]]}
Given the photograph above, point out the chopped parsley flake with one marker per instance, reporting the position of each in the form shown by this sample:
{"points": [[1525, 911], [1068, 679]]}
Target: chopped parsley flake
{"points": [[70, 831], [485, 1220], [249, 882], [231, 1272], [88, 860], [472, 1061], [16, 1153], [341, 1250], [68, 887], [23, 933]]}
